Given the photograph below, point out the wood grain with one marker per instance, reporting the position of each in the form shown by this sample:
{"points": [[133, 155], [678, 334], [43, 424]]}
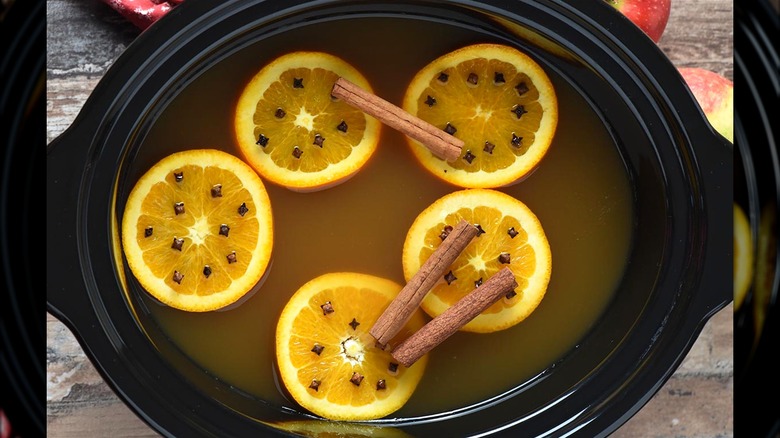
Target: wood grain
{"points": [[700, 34], [85, 38]]}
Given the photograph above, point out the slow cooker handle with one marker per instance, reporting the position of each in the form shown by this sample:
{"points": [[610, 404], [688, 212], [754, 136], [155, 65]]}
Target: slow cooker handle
{"points": [[716, 166], [66, 160]]}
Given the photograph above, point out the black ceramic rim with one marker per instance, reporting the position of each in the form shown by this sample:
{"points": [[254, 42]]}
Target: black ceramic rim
{"points": [[757, 77], [693, 282], [22, 58]]}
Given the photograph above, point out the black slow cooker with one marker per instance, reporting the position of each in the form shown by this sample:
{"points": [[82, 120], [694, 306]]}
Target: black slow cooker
{"points": [[678, 273]]}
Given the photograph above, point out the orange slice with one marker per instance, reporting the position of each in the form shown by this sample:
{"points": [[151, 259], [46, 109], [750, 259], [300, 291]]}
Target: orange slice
{"points": [[511, 235], [327, 359], [495, 98], [743, 256], [197, 230], [291, 130]]}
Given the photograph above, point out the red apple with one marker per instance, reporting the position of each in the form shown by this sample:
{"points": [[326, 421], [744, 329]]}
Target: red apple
{"points": [[715, 95], [142, 13], [650, 15]]}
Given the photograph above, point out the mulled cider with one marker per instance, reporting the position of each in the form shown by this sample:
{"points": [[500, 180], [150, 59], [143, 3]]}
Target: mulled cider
{"points": [[580, 193]]}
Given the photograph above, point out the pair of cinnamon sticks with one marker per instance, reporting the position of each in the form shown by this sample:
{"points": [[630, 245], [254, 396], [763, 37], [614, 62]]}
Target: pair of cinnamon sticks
{"points": [[443, 326]]}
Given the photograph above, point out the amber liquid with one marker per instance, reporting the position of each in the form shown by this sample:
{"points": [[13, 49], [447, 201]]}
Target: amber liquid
{"points": [[581, 194]]}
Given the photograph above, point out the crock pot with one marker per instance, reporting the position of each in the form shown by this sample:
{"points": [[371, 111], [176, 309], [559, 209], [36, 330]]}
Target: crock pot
{"points": [[678, 273]]}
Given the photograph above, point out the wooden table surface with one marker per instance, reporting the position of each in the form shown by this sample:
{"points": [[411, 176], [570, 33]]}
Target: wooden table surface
{"points": [[86, 36]]}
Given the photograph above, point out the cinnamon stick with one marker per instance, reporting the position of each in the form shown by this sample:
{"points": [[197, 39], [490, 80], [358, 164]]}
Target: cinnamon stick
{"points": [[443, 326], [440, 143], [408, 300]]}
